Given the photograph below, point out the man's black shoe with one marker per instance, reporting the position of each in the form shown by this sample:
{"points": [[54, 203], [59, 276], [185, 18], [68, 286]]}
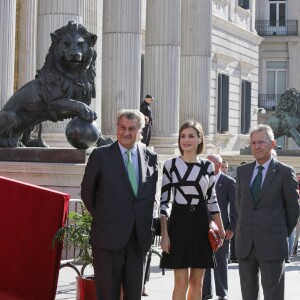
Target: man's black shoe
{"points": [[287, 261], [206, 297]]}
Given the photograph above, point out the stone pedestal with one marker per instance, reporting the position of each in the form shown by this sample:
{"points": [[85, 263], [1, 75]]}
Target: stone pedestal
{"points": [[63, 177], [46, 155], [55, 168], [165, 145]]}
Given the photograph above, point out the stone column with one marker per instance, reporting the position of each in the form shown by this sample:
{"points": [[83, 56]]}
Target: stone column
{"points": [[195, 67], [253, 10], [53, 14], [161, 68], [7, 49], [92, 20], [121, 63], [27, 25]]}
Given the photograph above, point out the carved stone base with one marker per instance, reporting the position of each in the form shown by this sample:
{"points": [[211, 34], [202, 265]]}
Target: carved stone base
{"points": [[63, 177], [48, 155]]}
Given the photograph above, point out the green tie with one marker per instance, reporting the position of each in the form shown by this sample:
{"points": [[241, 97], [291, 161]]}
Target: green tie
{"points": [[256, 184], [131, 172]]}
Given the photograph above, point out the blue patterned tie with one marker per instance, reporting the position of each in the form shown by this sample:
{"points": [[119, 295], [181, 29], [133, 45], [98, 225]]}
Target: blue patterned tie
{"points": [[131, 172], [256, 184]]}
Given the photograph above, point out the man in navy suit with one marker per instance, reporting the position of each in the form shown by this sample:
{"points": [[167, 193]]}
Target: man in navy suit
{"points": [[121, 209], [225, 189], [268, 209]]}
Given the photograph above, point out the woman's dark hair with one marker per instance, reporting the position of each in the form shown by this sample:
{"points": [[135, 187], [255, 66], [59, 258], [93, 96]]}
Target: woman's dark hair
{"points": [[198, 127]]}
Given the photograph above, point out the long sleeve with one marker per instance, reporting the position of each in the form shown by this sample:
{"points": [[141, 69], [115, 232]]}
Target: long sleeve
{"points": [[210, 193], [166, 190]]}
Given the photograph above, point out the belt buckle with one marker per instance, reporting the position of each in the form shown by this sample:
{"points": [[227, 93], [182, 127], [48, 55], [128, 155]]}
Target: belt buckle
{"points": [[192, 208]]}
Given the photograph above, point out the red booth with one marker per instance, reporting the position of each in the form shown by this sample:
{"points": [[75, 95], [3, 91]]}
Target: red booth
{"points": [[30, 216]]}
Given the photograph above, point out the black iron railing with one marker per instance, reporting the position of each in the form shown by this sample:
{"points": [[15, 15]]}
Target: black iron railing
{"points": [[70, 253], [276, 27], [268, 101]]}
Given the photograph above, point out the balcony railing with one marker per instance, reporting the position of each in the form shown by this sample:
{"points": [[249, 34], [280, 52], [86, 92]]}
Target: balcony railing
{"points": [[276, 27], [268, 101]]}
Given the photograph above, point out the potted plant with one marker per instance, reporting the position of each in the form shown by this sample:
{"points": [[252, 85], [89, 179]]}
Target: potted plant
{"points": [[76, 234]]}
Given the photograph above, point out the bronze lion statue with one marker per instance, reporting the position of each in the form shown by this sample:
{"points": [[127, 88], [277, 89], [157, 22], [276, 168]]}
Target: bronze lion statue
{"points": [[286, 118], [63, 88]]}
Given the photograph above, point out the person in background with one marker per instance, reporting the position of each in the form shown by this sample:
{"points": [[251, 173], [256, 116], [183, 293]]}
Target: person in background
{"points": [[145, 108], [188, 183], [233, 259], [224, 167], [295, 247], [225, 189], [267, 204], [118, 189]]}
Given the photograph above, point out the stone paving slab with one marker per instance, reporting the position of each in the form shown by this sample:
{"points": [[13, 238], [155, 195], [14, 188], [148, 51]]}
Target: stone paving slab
{"points": [[160, 287]]}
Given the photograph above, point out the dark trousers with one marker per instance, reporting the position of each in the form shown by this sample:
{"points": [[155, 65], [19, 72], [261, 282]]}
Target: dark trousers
{"points": [[232, 249], [147, 267], [146, 134], [220, 273], [114, 269], [272, 277]]}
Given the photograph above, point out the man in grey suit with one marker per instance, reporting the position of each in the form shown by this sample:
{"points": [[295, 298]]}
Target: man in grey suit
{"points": [[267, 205], [225, 189], [118, 189]]}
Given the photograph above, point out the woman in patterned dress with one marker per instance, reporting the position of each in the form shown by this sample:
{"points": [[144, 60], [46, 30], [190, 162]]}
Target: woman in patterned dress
{"points": [[187, 194]]}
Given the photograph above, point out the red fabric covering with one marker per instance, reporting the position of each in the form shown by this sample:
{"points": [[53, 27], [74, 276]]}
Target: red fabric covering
{"points": [[29, 216]]}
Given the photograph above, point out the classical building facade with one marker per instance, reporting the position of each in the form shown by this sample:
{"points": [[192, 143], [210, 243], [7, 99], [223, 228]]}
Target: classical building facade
{"points": [[199, 59], [279, 59]]}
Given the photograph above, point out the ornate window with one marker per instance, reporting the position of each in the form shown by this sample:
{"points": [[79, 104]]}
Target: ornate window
{"points": [[223, 103], [244, 4], [245, 106]]}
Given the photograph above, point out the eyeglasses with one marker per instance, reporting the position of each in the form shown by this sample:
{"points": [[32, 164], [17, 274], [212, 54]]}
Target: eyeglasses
{"points": [[259, 143]]}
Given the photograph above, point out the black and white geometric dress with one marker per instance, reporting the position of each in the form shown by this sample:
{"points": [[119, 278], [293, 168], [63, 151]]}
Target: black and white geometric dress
{"points": [[185, 187]]}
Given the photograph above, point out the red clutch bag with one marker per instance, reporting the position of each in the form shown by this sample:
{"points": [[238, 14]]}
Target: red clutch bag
{"points": [[214, 236]]}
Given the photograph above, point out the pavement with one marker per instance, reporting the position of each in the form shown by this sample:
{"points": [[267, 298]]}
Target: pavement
{"points": [[160, 286]]}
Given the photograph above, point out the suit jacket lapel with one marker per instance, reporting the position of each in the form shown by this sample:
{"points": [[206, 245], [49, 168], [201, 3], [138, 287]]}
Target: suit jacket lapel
{"points": [[143, 163], [118, 162], [249, 171]]}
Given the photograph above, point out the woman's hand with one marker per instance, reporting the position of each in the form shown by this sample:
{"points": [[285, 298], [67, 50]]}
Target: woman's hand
{"points": [[165, 243], [165, 240], [229, 234], [222, 238], [218, 220]]}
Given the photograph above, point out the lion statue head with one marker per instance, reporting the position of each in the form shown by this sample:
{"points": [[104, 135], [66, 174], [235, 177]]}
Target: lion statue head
{"points": [[286, 118], [289, 103], [72, 56]]}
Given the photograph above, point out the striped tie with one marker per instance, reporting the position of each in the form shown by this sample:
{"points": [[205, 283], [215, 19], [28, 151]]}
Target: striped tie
{"points": [[256, 184], [131, 172]]}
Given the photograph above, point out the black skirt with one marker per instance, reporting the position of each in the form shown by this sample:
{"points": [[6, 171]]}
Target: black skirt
{"points": [[189, 245]]}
